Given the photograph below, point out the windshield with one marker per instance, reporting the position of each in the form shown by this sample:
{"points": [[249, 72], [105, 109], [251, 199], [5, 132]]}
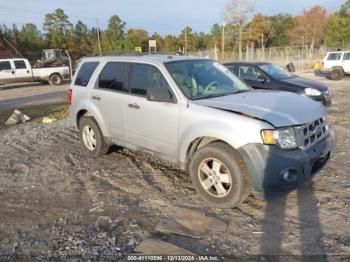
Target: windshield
{"points": [[199, 79], [275, 71]]}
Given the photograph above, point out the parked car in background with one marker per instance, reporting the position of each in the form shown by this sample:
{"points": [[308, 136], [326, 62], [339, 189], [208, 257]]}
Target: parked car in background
{"points": [[336, 64], [195, 113], [262, 75], [19, 70]]}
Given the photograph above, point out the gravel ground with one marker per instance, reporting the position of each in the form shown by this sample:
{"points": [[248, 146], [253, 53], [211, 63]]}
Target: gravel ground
{"points": [[58, 203]]}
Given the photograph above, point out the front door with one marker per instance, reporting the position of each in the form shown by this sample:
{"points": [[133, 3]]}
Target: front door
{"points": [[151, 125], [23, 72], [253, 77], [7, 73]]}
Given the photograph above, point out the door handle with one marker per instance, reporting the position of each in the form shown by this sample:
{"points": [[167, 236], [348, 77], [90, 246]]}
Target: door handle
{"points": [[134, 106], [13, 72], [27, 71], [96, 98]]}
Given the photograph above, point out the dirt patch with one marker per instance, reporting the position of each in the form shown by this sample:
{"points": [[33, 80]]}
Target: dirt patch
{"points": [[58, 203], [37, 113]]}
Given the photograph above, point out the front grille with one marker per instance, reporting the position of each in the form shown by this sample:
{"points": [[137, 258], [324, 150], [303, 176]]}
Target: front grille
{"points": [[309, 134]]}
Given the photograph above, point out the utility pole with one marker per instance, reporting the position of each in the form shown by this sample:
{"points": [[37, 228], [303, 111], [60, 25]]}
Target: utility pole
{"points": [[240, 40], [186, 40], [98, 37], [223, 43]]}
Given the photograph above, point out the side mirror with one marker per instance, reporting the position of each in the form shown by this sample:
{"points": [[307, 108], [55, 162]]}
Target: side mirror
{"points": [[159, 95], [262, 79]]}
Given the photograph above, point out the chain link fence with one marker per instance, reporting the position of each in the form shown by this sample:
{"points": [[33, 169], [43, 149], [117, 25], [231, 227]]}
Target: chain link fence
{"points": [[303, 57]]}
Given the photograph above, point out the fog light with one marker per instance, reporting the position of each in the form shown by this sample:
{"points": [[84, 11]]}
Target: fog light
{"points": [[289, 175]]}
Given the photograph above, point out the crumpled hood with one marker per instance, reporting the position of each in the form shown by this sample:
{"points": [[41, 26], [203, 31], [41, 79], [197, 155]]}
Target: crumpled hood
{"points": [[304, 83], [278, 108]]}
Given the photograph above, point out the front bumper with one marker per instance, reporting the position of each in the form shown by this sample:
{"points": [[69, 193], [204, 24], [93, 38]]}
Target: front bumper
{"points": [[275, 172]]}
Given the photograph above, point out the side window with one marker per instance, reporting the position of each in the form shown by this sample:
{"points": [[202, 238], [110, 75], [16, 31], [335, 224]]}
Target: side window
{"points": [[249, 73], [20, 64], [5, 65], [346, 56], [144, 77], [114, 76], [334, 56], [85, 73]]}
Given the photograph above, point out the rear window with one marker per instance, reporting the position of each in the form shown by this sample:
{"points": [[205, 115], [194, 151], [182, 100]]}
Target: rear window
{"points": [[85, 73], [20, 64], [5, 65], [114, 76], [334, 56]]}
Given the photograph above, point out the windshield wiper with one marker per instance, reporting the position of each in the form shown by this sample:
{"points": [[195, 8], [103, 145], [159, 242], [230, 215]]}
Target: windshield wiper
{"points": [[218, 95]]}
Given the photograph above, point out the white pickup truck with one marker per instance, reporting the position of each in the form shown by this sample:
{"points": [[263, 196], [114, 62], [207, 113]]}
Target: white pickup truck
{"points": [[336, 64], [19, 70]]}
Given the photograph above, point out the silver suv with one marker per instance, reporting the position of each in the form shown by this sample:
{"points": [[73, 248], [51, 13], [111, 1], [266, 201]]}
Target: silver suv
{"points": [[195, 113]]}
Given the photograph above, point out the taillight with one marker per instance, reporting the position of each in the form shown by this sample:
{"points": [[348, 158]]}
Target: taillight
{"points": [[70, 95]]}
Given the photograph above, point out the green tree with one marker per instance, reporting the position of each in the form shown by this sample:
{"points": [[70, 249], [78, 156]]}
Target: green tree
{"points": [[30, 41], [171, 43], [337, 28], [58, 29], [113, 36], [279, 26], [136, 38]]}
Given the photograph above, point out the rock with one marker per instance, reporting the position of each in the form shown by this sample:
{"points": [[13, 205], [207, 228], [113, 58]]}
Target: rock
{"points": [[21, 169], [103, 222], [161, 248], [174, 227], [17, 117]]}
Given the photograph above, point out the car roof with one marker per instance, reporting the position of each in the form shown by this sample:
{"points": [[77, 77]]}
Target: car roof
{"points": [[151, 58], [253, 63]]}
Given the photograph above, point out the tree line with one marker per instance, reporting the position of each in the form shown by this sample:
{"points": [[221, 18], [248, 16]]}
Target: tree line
{"points": [[242, 29]]}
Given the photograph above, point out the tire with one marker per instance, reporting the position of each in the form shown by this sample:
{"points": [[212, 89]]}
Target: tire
{"points": [[95, 146], [336, 74], [232, 170], [55, 80]]}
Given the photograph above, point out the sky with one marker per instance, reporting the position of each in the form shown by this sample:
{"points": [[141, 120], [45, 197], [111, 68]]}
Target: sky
{"points": [[162, 16]]}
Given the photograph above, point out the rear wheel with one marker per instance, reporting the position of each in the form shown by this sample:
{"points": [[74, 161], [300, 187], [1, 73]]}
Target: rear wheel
{"points": [[55, 80], [92, 138], [219, 175], [336, 74]]}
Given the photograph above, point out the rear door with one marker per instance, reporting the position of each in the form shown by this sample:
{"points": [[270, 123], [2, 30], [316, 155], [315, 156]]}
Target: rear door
{"points": [[23, 71], [346, 62], [108, 95], [7, 72], [151, 125]]}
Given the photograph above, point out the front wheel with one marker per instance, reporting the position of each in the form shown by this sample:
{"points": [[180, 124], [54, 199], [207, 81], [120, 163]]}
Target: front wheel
{"points": [[219, 175]]}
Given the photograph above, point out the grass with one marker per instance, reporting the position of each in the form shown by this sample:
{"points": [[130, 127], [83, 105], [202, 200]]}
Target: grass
{"points": [[37, 113]]}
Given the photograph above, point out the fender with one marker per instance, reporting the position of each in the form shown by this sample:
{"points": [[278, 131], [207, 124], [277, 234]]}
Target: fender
{"points": [[246, 132]]}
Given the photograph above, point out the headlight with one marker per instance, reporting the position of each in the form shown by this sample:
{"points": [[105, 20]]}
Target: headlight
{"points": [[312, 92], [285, 138]]}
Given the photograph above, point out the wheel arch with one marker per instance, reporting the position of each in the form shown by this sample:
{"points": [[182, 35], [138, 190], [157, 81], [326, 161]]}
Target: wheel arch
{"points": [[92, 113], [198, 143]]}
